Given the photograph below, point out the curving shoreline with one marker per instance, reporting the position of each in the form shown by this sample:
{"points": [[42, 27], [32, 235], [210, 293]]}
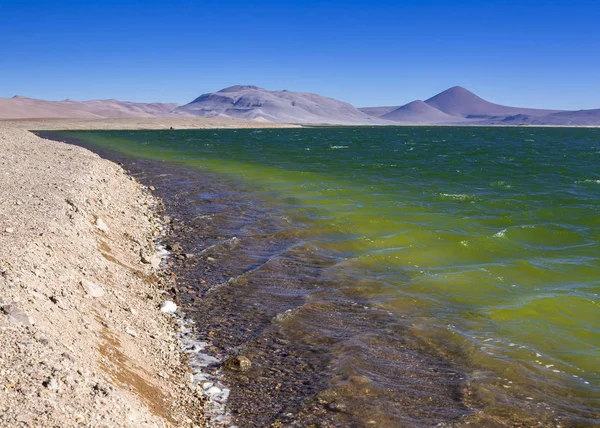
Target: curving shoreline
{"points": [[82, 339]]}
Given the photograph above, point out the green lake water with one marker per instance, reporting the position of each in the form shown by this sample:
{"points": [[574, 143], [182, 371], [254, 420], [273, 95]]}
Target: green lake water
{"points": [[486, 239]]}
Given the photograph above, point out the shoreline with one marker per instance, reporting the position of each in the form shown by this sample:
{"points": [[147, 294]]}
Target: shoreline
{"points": [[83, 339], [153, 123], [181, 123], [288, 382]]}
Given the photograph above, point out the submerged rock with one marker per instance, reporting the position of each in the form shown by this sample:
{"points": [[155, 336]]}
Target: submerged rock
{"points": [[238, 364]]}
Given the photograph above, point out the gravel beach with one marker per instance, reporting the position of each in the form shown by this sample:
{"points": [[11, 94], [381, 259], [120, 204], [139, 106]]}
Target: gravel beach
{"points": [[82, 339]]}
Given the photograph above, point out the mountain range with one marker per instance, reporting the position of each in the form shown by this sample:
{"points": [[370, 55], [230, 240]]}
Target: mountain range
{"points": [[19, 107], [454, 106], [254, 103]]}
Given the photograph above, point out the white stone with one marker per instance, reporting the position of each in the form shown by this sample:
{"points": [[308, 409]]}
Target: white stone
{"points": [[155, 261], [101, 225], [213, 391], [92, 288], [168, 307]]}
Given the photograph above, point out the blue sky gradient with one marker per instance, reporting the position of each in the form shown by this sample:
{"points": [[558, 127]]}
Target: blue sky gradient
{"points": [[542, 54]]}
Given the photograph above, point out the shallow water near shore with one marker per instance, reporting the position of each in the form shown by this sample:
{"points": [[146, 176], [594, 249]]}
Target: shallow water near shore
{"points": [[389, 276]]}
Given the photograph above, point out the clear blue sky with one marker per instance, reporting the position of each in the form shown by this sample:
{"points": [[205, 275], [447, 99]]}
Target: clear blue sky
{"points": [[377, 52]]}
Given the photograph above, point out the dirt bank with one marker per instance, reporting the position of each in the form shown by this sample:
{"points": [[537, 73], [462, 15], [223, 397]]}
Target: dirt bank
{"points": [[82, 338]]}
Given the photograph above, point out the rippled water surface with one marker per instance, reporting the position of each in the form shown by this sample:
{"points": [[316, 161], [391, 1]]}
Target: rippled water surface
{"points": [[484, 242]]}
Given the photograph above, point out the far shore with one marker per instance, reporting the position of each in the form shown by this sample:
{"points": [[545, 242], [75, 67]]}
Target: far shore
{"points": [[138, 123], [170, 122]]}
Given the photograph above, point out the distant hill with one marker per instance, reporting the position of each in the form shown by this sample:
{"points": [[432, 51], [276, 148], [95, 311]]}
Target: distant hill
{"points": [[254, 103], [460, 102], [418, 112], [459, 106], [19, 107]]}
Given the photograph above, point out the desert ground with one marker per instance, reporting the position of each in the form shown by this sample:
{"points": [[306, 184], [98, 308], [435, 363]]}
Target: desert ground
{"points": [[83, 340]]}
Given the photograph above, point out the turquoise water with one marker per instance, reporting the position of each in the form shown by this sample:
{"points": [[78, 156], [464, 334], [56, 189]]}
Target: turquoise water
{"points": [[487, 239]]}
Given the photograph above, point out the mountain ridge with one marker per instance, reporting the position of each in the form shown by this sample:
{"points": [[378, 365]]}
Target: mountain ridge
{"points": [[255, 103], [454, 106]]}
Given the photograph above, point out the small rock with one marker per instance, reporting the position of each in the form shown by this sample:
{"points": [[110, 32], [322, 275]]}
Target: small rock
{"points": [[92, 288], [9, 230], [51, 384], [238, 364], [16, 316], [336, 406], [168, 307], [101, 225], [213, 391], [155, 262], [131, 332], [175, 247]]}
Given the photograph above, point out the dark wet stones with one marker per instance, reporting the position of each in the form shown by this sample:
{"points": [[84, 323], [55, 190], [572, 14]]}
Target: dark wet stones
{"points": [[176, 247], [238, 364]]}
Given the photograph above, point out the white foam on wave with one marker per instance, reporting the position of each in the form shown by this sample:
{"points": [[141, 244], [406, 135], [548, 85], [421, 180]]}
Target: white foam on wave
{"points": [[501, 234], [338, 147], [458, 196], [502, 184], [206, 378]]}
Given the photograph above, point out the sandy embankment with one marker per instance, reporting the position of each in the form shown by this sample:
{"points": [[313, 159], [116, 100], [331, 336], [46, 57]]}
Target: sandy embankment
{"points": [[82, 340], [140, 123]]}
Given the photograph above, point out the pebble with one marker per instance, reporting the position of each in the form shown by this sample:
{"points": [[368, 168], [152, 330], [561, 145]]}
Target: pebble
{"points": [[238, 364], [213, 391], [101, 225], [16, 316], [131, 332], [51, 384], [168, 307], [155, 262], [92, 288]]}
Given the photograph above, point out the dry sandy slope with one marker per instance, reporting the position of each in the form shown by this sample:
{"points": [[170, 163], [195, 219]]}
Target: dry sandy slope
{"points": [[23, 107], [139, 123], [98, 355]]}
